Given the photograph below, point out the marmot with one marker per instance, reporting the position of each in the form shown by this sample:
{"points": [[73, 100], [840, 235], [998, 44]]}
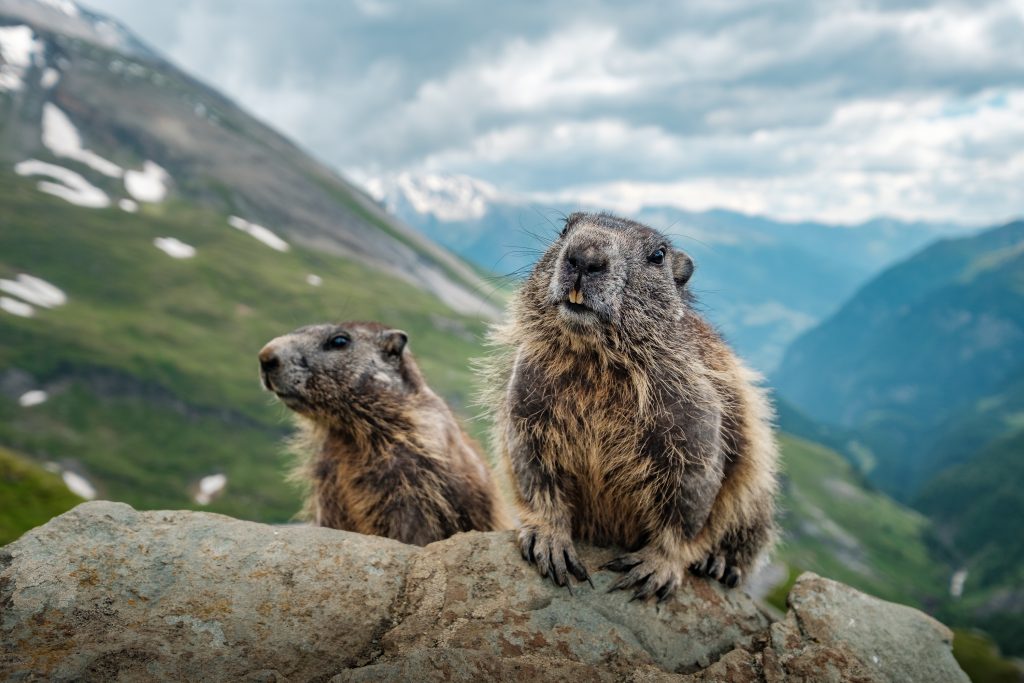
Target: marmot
{"points": [[624, 417], [385, 454]]}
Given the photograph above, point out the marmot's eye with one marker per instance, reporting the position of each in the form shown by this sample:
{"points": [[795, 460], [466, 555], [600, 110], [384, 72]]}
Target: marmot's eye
{"points": [[338, 342], [658, 257]]}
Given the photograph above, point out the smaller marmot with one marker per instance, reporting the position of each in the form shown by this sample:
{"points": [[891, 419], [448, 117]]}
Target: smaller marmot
{"points": [[626, 419], [385, 454]]}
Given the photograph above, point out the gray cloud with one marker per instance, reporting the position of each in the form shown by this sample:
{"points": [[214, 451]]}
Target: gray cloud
{"points": [[833, 111]]}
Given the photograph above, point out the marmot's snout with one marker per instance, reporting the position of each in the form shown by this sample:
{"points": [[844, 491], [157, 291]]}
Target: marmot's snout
{"points": [[589, 258], [586, 276], [279, 363], [268, 359]]}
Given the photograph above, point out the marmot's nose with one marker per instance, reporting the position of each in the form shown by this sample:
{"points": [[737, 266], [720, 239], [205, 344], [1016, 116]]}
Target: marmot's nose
{"points": [[589, 259], [268, 358]]}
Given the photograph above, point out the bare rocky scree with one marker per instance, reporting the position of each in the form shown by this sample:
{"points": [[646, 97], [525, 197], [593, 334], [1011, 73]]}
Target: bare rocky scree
{"points": [[107, 593]]}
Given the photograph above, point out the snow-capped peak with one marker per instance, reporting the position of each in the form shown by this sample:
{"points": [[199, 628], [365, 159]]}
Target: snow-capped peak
{"points": [[71, 19], [67, 7], [446, 196]]}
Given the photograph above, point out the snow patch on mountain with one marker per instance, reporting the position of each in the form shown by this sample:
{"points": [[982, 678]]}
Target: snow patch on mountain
{"points": [[174, 247], [71, 186], [61, 137], [209, 487], [15, 307], [34, 290], [448, 197], [128, 205], [78, 485], [50, 78], [71, 19], [33, 398], [149, 184], [18, 48], [258, 232]]}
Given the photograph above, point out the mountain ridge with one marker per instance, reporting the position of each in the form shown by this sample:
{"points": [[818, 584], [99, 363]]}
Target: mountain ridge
{"points": [[763, 282], [137, 107]]}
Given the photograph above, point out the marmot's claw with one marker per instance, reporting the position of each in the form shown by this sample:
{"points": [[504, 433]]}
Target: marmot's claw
{"points": [[552, 555], [621, 564], [650, 574], [576, 567], [646, 589], [631, 578], [526, 541], [717, 567], [558, 570], [733, 576]]}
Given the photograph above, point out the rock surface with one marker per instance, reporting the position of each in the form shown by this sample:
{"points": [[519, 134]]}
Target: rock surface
{"points": [[107, 593]]}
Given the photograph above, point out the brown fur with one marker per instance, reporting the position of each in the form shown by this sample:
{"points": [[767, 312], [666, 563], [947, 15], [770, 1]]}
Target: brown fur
{"points": [[629, 423], [383, 454]]}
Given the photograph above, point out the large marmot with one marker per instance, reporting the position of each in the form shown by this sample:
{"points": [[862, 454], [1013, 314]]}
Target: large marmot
{"points": [[385, 454], [626, 419]]}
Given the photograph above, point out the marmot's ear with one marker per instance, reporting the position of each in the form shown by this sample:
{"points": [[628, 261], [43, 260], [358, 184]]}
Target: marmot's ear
{"points": [[682, 268], [394, 341]]}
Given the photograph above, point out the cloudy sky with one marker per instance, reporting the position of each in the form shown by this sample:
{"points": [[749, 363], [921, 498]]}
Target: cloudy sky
{"points": [[835, 111]]}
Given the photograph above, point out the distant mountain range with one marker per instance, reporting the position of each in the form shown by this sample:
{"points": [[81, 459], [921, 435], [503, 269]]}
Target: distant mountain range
{"points": [[762, 281], [924, 360]]}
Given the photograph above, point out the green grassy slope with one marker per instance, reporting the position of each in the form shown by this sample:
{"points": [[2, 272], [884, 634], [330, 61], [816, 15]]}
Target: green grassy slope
{"points": [[980, 505], [836, 527], [151, 363], [30, 496], [980, 659], [910, 360]]}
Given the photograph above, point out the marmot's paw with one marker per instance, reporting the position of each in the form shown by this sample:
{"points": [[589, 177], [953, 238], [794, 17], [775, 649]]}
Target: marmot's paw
{"points": [[715, 567], [554, 555], [649, 571]]}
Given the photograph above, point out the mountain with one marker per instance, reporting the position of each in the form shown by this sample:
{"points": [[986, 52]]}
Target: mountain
{"points": [[762, 282], [122, 120], [922, 373], [153, 236], [925, 362]]}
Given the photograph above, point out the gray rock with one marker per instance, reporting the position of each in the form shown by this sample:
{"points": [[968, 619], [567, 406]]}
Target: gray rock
{"points": [[845, 635], [107, 593]]}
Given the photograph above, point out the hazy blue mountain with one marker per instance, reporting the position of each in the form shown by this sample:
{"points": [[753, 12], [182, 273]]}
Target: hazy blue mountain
{"points": [[925, 362], [762, 282]]}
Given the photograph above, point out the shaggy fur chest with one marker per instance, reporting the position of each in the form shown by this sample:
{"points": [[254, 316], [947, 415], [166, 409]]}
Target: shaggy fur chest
{"points": [[591, 426]]}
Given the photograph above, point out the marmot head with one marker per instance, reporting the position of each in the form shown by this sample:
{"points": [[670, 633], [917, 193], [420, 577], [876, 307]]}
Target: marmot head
{"points": [[604, 271], [327, 372]]}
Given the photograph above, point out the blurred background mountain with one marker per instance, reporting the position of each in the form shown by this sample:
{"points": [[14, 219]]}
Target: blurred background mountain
{"points": [[154, 234]]}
